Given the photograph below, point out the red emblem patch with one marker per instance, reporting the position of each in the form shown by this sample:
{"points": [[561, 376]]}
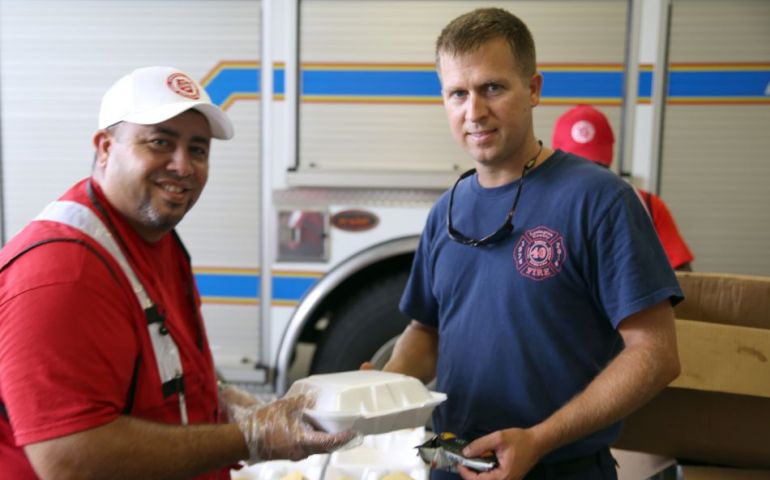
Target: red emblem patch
{"points": [[540, 253], [183, 85]]}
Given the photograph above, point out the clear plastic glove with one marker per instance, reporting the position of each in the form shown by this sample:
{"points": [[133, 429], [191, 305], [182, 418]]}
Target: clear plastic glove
{"points": [[277, 430], [230, 395]]}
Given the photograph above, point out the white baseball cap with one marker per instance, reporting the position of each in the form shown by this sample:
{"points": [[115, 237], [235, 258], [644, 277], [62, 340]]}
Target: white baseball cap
{"points": [[152, 95]]}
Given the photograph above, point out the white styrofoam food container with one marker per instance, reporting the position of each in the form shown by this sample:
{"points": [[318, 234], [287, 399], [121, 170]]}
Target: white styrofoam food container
{"points": [[378, 457], [367, 401]]}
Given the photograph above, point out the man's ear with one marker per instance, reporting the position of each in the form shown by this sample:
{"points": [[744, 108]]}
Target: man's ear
{"points": [[535, 86], [102, 143]]}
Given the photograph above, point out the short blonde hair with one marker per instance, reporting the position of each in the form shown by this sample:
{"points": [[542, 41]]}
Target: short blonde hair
{"points": [[468, 32]]}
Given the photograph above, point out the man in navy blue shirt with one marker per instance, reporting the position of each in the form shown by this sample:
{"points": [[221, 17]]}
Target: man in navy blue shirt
{"points": [[541, 297]]}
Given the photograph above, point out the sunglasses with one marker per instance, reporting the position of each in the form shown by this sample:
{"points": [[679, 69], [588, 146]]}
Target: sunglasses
{"points": [[505, 229]]}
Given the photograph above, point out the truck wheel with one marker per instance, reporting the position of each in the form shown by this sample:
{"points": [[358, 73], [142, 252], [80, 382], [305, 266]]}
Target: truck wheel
{"points": [[361, 325]]}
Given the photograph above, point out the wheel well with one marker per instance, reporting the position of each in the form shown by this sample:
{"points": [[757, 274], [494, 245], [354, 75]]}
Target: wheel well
{"points": [[317, 323]]}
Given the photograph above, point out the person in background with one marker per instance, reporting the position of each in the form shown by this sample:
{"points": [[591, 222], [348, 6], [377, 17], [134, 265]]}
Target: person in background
{"points": [[585, 131], [105, 368], [541, 299]]}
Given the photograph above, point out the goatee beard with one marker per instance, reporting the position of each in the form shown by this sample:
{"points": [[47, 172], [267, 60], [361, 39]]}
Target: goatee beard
{"points": [[155, 219]]}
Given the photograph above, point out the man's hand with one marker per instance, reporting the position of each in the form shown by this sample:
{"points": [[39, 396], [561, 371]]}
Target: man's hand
{"points": [[277, 430], [516, 452], [231, 397]]}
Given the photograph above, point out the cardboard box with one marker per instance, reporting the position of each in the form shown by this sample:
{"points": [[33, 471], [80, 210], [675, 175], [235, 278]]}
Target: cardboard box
{"points": [[714, 473], [640, 466], [718, 410]]}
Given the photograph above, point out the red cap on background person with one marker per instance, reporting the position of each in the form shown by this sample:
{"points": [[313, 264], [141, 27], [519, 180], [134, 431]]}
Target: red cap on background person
{"points": [[585, 131]]}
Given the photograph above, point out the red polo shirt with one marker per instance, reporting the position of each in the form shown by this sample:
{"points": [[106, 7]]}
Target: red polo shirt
{"points": [[72, 335]]}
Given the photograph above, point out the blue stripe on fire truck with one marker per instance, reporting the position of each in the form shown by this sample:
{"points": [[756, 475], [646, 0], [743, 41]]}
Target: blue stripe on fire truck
{"points": [[562, 84], [242, 286]]}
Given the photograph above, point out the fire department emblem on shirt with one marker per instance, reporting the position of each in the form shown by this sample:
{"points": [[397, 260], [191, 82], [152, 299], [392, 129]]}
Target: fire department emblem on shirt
{"points": [[539, 253], [183, 85]]}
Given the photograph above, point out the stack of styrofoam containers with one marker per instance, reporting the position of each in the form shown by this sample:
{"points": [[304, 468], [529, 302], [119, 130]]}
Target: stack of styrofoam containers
{"points": [[308, 469], [378, 457], [389, 409]]}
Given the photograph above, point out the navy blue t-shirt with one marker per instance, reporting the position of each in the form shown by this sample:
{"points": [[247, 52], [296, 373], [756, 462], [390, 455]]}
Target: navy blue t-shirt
{"points": [[526, 324]]}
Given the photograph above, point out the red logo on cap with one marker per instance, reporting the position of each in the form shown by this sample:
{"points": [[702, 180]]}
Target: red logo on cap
{"points": [[183, 85], [583, 131]]}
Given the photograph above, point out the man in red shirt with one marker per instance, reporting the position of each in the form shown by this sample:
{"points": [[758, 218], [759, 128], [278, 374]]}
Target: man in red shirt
{"points": [[585, 131], [105, 369]]}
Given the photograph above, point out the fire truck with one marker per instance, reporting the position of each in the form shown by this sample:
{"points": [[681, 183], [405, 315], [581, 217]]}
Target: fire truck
{"points": [[303, 239]]}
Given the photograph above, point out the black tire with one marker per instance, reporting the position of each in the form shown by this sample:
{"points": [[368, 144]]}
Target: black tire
{"points": [[361, 325]]}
